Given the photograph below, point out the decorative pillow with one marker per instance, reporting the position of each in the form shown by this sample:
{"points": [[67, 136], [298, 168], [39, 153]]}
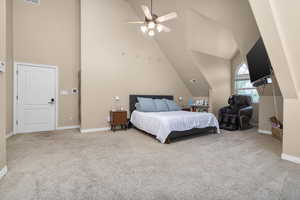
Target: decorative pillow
{"points": [[172, 105], [138, 107], [161, 105], [147, 104]]}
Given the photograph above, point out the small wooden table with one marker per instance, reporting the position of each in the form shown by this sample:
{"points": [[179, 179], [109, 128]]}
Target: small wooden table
{"points": [[186, 109], [118, 119]]}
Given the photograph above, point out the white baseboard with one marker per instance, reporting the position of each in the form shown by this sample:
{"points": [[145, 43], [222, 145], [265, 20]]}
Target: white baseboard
{"points": [[94, 130], [67, 127], [265, 132], [58, 128], [3, 172], [8, 135], [290, 158]]}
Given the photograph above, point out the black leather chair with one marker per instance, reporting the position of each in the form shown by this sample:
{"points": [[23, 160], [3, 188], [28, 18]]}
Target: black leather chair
{"points": [[238, 114]]}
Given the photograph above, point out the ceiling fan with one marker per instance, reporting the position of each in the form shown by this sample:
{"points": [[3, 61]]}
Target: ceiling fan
{"points": [[153, 22]]}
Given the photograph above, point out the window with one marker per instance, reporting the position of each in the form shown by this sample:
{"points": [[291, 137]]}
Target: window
{"points": [[243, 84]]}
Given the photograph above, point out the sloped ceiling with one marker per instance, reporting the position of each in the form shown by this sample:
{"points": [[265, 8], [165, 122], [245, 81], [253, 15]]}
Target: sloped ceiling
{"points": [[208, 36], [212, 28]]}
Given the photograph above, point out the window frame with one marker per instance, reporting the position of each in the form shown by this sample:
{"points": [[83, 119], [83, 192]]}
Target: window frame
{"points": [[243, 77]]}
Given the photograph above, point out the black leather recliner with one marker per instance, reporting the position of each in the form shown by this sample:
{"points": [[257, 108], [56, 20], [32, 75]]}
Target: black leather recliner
{"points": [[238, 114]]}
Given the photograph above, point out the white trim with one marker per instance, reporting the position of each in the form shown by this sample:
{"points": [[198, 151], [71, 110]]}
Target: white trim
{"points": [[3, 172], [94, 130], [15, 92], [68, 127], [57, 97], [265, 132], [290, 158], [8, 135]]}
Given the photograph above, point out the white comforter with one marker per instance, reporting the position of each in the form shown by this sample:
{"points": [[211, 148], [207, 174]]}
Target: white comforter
{"points": [[161, 124]]}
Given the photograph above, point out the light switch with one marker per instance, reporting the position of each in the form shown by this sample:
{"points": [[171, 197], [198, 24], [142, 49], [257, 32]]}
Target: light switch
{"points": [[2, 66]]}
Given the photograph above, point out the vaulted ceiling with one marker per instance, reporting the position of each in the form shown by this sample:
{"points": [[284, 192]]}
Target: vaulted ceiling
{"points": [[205, 30]]}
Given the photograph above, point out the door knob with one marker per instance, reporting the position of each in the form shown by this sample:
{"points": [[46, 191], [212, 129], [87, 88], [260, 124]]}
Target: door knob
{"points": [[52, 101]]}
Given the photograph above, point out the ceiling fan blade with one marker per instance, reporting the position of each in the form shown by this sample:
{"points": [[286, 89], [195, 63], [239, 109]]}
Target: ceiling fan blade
{"points": [[136, 22], [147, 12], [167, 17], [165, 29]]}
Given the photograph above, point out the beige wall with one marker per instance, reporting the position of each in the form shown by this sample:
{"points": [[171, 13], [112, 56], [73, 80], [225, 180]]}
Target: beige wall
{"points": [[267, 110], [286, 16], [279, 28], [209, 36], [117, 60], [211, 56], [291, 136], [2, 84], [218, 74], [49, 34], [272, 37]]}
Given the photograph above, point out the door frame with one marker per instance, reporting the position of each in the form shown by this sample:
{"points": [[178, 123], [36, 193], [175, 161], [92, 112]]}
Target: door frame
{"points": [[15, 91]]}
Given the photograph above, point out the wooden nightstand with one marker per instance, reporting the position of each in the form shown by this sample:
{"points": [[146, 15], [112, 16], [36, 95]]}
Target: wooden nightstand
{"points": [[186, 109], [118, 118]]}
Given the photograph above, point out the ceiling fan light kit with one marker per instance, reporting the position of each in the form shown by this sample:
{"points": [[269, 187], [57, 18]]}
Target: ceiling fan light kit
{"points": [[151, 33], [159, 28], [151, 25], [144, 29], [152, 22]]}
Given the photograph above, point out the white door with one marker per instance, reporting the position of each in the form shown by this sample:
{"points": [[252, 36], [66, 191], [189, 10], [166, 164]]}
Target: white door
{"points": [[36, 98]]}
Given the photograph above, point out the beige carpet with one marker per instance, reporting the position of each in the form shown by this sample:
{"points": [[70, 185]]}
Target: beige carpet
{"points": [[130, 165]]}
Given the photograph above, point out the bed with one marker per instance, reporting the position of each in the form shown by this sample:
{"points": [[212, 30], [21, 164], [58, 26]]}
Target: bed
{"points": [[167, 126]]}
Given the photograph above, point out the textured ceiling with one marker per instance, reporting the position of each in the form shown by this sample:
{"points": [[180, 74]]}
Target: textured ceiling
{"points": [[216, 28]]}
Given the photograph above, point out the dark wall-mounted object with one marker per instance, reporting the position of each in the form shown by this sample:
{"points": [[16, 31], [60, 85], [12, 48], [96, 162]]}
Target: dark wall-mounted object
{"points": [[259, 64]]}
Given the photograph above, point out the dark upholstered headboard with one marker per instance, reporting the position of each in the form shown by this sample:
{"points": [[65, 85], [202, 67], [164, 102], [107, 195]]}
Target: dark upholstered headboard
{"points": [[133, 100]]}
